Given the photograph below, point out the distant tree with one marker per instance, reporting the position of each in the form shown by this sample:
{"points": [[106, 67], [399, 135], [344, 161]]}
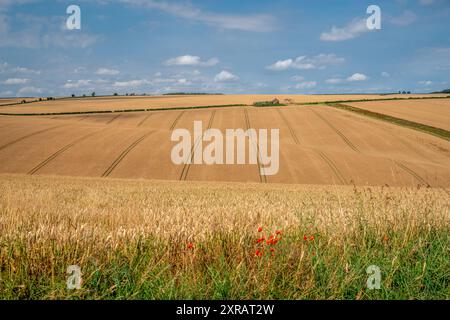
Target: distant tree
{"points": [[49, 98], [409, 92], [399, 92], [84, 96], [126, 94], [23, 101], [93, 94], [115, 94], [73, 95], [403, 92], [40, 99]]}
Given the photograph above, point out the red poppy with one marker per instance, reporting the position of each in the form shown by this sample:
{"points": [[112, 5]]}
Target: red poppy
{"points": [[190, 246], [311, 238], [278, 232], [260, 229], [305, 237], [258, 253], [260, 240]]}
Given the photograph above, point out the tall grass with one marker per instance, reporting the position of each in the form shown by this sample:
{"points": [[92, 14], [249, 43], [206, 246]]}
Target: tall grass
{"points": [[176, 240]]}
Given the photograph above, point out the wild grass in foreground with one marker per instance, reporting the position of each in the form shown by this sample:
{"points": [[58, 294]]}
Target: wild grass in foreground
{"points": [[172, 240]]}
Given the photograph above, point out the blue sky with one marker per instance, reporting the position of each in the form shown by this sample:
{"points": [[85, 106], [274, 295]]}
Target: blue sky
{"points": [[228, 46]]}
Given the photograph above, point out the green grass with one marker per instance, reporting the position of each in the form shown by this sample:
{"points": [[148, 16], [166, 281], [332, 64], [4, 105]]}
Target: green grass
{"points": [[438, 132], [268, 104], [412, 270]]}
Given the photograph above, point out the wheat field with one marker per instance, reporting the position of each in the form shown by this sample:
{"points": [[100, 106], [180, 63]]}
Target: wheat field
{"points": [[176, 101], [197, 240], [434, 113], [318, 145]]}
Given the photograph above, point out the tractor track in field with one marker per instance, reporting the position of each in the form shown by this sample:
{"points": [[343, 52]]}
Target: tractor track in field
{"points": [[291, 130], [351, 145], [211, 119], [187, 166], [30, 135], [124, 154], [416, 176], [262, 177], [60, 151], [332, 166], [144, 120], [5, 126], [113, 119], [174, 123], [412, 173], [337, 131]]}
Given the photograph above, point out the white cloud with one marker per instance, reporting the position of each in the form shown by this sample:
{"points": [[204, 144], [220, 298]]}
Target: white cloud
{"points": [[5, 67], [14, 81], [352, 30], [353, 78], [79, 70], [306, 85], [334, 81], [29, 90], [183, 81], [281, 65], [189, 60], [385, 74], [107, 72], [225, 76], [76, 84], [38, 32], [320, 61], [426, 83], [250, 22], [25, 70], [357, 77], [66, 40], [130, 83]]}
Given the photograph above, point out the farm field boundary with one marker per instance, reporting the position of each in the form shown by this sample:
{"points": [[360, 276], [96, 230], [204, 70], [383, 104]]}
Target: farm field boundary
{"points": [[438, 132], [367, 100], [119, 111]]}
